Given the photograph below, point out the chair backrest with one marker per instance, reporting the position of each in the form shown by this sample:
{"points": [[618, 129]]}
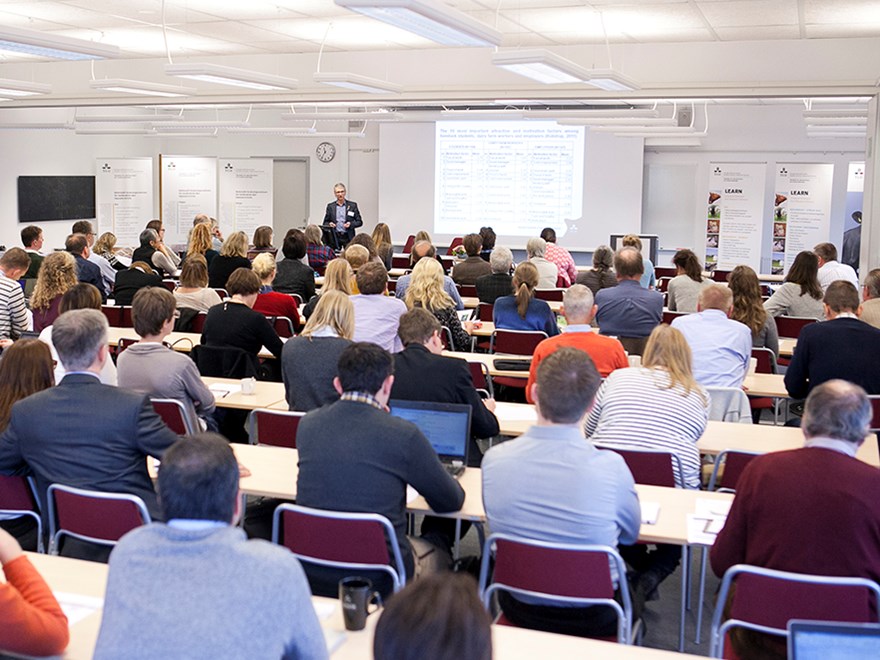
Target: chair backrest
{"points": [[454, 244], [400, 262], [92, 516], [198, 322], [549, 294], [410, 240], [224, 361], [721, 275], [766, 360], [573, 574], [791, 326], [468, 290], [170, 284], [283, 326], [663, 284], [274, 427], [765, 600], [729, 404], [223, 293], [175, 415], [126, 321], [485, 311], [663, 271], [516, 342], [669, 317], [875, 407], [392, 286], [18, 498], [733, 462], [651, 468], [123, 343], [113, 314], [355, 541], [482, 379]]}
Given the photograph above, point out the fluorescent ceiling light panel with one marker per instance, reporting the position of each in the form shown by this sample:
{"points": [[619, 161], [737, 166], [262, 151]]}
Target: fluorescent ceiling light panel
{"points": [[42, 126], [429, 19], [358, 83], [227, 75], [52, 46], [839, 128], [673, 142], [837, 121], [334, 134], [140, 87], [836, 114], [272, 130], [591, 114], [125, 119], [610, 80], [619, 121], [834, 134], [208, 125], [17, 88], [339, 116], [540, 65], [113, 131]]}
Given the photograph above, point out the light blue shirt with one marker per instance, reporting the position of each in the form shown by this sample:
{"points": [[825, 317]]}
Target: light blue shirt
{"points": [[448, 286], [340, 217], [376, 318], [721, 347], [648, 280]]}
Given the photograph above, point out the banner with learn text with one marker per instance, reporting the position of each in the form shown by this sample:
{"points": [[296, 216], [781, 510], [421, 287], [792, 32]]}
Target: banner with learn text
{"points": [[734, 215], [801, 210]]}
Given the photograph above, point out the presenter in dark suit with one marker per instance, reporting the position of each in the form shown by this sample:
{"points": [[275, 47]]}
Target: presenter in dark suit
{"points": [[82, 433], [341, 219]]}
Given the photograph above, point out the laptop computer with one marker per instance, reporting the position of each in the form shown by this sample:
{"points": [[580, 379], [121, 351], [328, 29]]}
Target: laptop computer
{"points": [[446, 425], [827, 640]]}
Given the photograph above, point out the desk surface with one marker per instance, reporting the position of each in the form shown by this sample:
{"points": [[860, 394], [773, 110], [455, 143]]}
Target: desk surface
{"points": [[471, 302], [487, 359], [180, 341], [786, 346], [266, 394]]}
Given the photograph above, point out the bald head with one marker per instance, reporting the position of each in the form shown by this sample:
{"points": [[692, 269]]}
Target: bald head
{"points": [[628, 264], [716, 296], [837, 409], [422, 249]]}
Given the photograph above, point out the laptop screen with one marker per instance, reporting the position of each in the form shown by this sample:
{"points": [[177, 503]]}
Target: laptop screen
{"points": [[446, 425], [820, 640]]}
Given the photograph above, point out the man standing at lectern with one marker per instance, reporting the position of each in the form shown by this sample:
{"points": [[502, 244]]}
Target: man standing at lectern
{"points": [[341, 219]]}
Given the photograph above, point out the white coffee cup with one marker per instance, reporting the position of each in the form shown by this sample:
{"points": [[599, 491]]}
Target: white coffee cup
{"points": [[249, 385]]}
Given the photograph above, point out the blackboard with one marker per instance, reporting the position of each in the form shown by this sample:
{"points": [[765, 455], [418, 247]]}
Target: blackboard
{"points": [[56, 198]]}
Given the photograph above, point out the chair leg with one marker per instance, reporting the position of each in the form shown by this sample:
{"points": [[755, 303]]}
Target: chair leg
{"points": [[701, 595], [685, 554]]}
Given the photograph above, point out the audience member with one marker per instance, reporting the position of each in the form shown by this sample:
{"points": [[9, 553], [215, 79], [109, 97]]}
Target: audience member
{"points": [[575, 493], [84, 227], [195, 586], [342, 217], [193, 292], [105, 246], [578, 309], [263, 236], [308, 361], [26, 368], [58, 274], [149, 253], [171, 255], [233, 255], [356, 255], [830, 269], [369, 471], [200, 243], [384, 247], [560, 257], [422, 235], [319, 254], [81, 296], [338, 276], [749, 310], [156, 370], [367, 241], [601, 275], [133, 279], [424, 249], [474, 267], [629, 311], [14, 317], [547, 271], [499, 282], [216, 234], [269, 302], [376, 315], [721, 347], [489, 238], [522, 311], [812, 510], [684, 289], [78, 246], [871, 303], [426, 291], [841, 347], [293, 276], [800, 293], [439, 617], [647, 280], [32, 239]]}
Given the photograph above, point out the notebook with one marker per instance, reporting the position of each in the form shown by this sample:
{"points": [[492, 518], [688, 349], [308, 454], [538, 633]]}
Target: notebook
{"points": [[825, 640], [446, 425]]}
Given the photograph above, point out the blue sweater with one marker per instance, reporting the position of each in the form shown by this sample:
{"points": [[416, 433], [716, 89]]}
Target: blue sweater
{"points": [[539, 316]]}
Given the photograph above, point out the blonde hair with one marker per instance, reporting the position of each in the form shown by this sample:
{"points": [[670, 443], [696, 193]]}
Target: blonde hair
{"points": [[426, 287], [381, 235], [422, 236], [337, 277], [334, 310], [357, 255], [313, 235], [235, 245], [632, 240], [57, 275], [525, 281], [194, 272], [199, 239], [667, 349], [105, 243], [264, 265]]}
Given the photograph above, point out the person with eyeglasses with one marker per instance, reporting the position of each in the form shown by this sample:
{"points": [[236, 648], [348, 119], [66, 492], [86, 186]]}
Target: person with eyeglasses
{"points": [[341, 218]]}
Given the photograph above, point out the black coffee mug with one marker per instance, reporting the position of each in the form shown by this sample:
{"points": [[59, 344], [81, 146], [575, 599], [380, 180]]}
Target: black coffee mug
{"points": [[357, 595]]}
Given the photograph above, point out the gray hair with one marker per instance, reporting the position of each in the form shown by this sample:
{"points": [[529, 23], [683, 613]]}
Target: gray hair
{"points": [[147, 236], [501, 260], [872, 281], [578, 303], [78, 336], [536, 247], [836, 409]]}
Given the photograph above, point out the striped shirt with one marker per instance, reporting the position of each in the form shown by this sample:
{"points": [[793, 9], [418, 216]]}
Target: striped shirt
{"points": [[635, 409], [13, 311]]}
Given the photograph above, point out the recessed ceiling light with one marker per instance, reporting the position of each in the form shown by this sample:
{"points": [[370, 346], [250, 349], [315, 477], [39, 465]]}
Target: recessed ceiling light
{"points": [[140, 87], [227, 75]]}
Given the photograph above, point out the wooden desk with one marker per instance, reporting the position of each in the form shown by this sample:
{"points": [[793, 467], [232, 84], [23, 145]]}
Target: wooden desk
{"points": [[180, 341], [487, 359], [765, 385], [787, 346], [265, 395], [470, 302]]}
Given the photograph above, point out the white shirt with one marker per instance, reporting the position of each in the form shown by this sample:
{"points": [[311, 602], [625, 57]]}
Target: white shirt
{"points": [[832, 271]]}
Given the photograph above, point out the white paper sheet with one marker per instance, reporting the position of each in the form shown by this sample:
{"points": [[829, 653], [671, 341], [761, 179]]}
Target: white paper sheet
{"points": [[650, 512]]}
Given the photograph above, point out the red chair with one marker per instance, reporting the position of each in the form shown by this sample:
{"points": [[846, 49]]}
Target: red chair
{"points": [[515, 342], [663, 284], [766, 600], [485, 311], [446, 338], [571, 574], [721, 275], [661, 271], [126, 320], [392, 286], [549, 294], [407, 247], [274, 427], [223, 293], [467, 290], [400, 262], [766, 365], [353, 542], [454, 244], [560, 282], [176, 416], [18, 498], [113, 314], [651, 468], [669, 317], [198, 322], [791, 326], [92, 516], [123, 343], [875, 407], [283, 326], [482, 379]]}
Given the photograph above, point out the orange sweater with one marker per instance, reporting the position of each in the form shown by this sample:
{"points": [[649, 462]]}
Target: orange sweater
{"points": [[33, 623]]}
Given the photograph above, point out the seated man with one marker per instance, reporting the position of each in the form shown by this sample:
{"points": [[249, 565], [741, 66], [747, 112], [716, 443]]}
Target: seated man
{"points": [[355, 456], [552, 485], [871, 302], [421, 250], [195, 586], [376, 315], [812, 510], [467, 271], [830, 269], [32, 239], [108, 273], [841, 347], [421, 373], [721, 347], [78, 246], [500, 282], [627, 311], [578, 309], [13, 311]]}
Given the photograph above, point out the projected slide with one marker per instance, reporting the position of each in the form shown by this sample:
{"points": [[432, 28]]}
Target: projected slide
{"points": [[518, 177]]}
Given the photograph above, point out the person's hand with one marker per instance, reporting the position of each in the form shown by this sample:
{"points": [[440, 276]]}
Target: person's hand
{"points": [[243, 471], [9, 547], [468, 327], [347, 225], [5, 342], [490, 404]]}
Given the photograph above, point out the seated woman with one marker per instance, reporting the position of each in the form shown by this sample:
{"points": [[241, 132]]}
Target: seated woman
{"points": [[601, 275], [319, 254], [156, 370], [232, 255], [150, 253], [293, 276], [263, 240], [133, 279], [800, 293], [523, 311], [426, 290], [384, 246], [356, 255], [548, 273], [337, 277], [233, 323], [193, 292], [26, 368], [648, 279], [749, 310], [104, 247], [80, 296], [269, 302], [308, 361], [684, 288], [200, 242], [171, 255], [57, 275], [658, 406]]}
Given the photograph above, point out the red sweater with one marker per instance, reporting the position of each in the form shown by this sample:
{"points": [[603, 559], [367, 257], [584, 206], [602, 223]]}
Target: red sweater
{"points": [[275, 303], [32, 620]]}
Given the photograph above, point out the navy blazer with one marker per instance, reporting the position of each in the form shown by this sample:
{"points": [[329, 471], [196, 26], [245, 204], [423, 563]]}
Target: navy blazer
{"points": [[90, 273], [352, 215]]}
